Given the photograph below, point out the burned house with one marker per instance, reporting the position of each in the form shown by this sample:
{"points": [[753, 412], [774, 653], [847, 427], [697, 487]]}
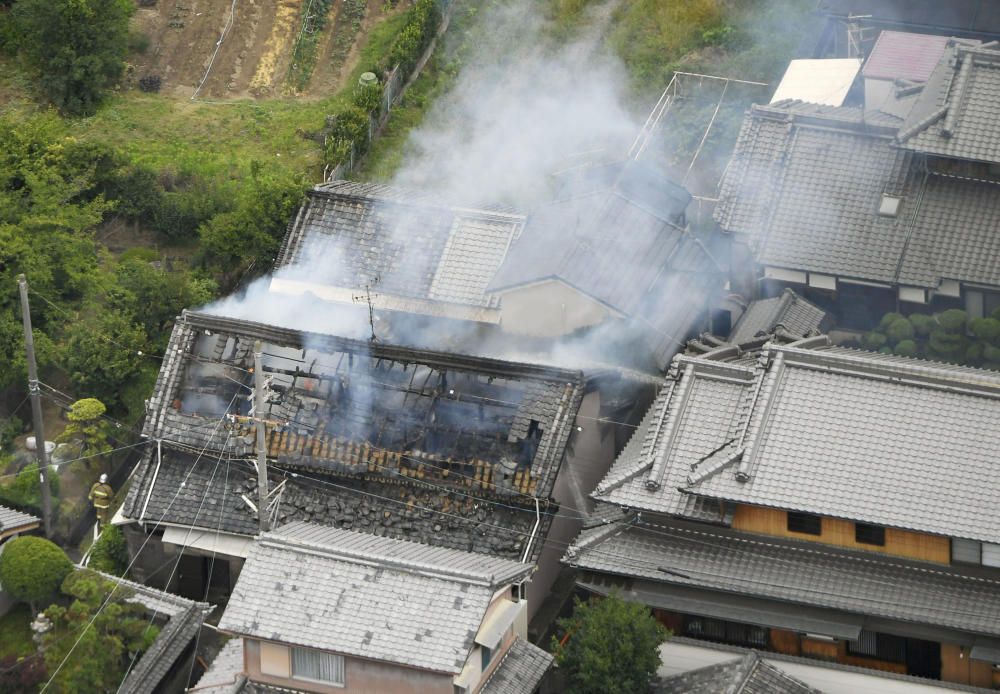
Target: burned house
{"points": [[444, 449], [610, 252], [813, 501], [866, 211]]}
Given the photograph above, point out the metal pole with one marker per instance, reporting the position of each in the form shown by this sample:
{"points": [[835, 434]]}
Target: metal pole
{"points": [[258, 381], [36, 407]]}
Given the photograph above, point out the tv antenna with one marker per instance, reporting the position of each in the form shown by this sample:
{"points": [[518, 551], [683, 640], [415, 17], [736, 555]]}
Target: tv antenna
{"points": [[367, 297]]}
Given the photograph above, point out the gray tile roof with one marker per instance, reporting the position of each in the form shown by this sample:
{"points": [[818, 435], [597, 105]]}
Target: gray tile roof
{"points": [[11, 520], [747, 675], [348, 234], [183, 621], [225, 673], [956, 114], [367, 596], [796, 572], [805, 186], [415, 512], [896, 442], [521, 670], [789, 311]]}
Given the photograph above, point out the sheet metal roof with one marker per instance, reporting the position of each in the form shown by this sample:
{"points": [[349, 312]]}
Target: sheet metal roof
{"points": [[824, 81], [368, 596], [955, 115], [521, 670], [905, 56], [747, 675], [896, 442], [797, 572], [806, 184]]}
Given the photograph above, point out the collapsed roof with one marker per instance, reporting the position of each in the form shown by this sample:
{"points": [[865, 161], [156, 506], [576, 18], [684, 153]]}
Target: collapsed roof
{"points": [[375, 421], [334, 590], [819, 429]]}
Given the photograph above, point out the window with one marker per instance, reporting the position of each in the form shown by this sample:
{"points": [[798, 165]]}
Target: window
{"points": [[487, 657], [726, 632], [973, 552], [804, 523], [872, 644], [869, 534], [308, 664]]}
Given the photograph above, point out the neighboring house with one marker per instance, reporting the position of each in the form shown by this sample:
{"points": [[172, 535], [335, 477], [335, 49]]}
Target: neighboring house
{"points": [[747, 675], [320, 609], [166, 665], [12, 524], [867, 212], [450, 450], [899, 58], [611, 251], [813, 500]]}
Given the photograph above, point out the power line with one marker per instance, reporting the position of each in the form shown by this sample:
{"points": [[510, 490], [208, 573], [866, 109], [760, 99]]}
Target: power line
{"points": [[107, 600]]}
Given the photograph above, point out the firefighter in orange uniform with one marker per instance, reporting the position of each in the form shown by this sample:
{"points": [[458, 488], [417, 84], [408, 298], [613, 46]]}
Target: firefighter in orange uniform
{"points": [[100, 495]]}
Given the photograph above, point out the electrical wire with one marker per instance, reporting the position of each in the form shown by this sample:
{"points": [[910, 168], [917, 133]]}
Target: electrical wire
{"points": [[107, 600]]}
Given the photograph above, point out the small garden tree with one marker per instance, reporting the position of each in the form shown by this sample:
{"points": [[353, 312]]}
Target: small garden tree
{"points": [[32, 569], [609, 646], [88, 427], [107, 630], [110, 554]]}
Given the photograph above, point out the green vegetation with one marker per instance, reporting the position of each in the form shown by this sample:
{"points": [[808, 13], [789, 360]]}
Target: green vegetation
{"points": [[21, 670], [348, 23], [110, 554], [609, 646], [15, 633], [947, 336], [25, 490], [32, 569], [314, 14], [105, 629], [75, 48]]}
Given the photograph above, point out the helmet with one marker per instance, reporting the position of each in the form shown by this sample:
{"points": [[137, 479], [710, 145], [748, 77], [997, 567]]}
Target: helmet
{"points": [[104, 478]]}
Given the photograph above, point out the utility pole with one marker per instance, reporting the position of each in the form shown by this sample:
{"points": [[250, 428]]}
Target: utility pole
{"points": [[36, 407], [258, 410]]}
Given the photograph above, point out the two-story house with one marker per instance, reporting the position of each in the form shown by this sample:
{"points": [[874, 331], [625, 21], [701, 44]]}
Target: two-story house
{"points": [[868, 210], [319, 609], [814, 501]]}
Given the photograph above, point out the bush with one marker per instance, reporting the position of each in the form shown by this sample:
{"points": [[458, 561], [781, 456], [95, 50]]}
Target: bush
{"points": [[922, 324], [947, 346], [25, 492], [899, 330], [974, 353], [10, 429], [953, 320], [873, 340], [991, 354], [888, 319], [414, 37], [906, 348], [150, 83], [986, 329], [110, 553], [369, 98], [32, 569]]}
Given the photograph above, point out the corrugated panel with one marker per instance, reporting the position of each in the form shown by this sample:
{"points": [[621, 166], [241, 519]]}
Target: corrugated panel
{"points": [[991, 554]]}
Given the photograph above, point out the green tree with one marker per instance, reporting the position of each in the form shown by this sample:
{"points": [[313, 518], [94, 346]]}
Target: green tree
{"points": [[88, 427], [108, 627], [609, 646], [32, 569], [25, 492], [75, 48], [103, 353]]}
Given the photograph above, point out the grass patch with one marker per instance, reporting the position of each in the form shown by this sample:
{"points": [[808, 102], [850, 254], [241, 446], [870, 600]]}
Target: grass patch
{"points": [[15, 633]]}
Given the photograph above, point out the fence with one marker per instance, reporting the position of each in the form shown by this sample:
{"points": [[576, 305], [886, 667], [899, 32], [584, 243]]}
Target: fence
{"points": [[393, 87]]}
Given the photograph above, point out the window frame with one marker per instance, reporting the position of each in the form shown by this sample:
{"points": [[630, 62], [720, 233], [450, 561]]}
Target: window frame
{"points": [[304, 678], [805, 520], [861, 529]]}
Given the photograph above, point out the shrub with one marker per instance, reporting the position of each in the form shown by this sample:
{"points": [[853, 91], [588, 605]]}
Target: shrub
{"points": [[110, 553], [25, 492], [899, 330], [150, 83], [888, 319], [369, 98], [922, 324], [947, 346], [986, 329], [952, 320], [32, 569], [873, 340], [991, 354], [906, 348]]}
